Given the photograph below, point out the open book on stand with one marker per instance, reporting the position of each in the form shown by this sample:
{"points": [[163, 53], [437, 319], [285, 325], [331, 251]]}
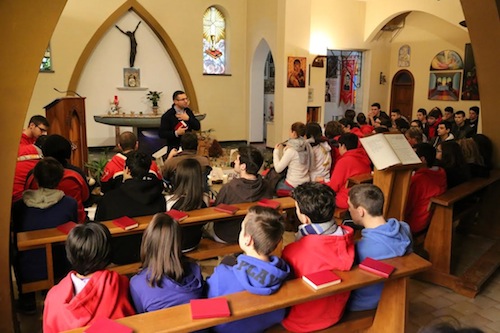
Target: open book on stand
{"points": [[386, 150]]}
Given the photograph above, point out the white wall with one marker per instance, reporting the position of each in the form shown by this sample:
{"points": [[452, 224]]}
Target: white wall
{"points": [[103, 74]]}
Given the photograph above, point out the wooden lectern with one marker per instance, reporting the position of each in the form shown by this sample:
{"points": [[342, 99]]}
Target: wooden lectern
{"points": [[395, 184], [66, 116]]}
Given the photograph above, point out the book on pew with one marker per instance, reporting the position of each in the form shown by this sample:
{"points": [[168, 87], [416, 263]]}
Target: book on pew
{"points": [[126, 223], [177, 215], [229, 209], [66, 227], [269, 203], [102, 325], [209, 308], [321, 279], [376, 267], [386, 150]]}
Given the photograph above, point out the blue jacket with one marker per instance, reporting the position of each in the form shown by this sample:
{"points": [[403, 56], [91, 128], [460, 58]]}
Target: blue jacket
{"points": [[171, 293], [255, 276], [390, 240]]}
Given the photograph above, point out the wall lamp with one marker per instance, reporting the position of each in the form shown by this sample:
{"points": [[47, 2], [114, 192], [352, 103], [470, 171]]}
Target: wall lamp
{"points": [[382, 79], [319, 61]]}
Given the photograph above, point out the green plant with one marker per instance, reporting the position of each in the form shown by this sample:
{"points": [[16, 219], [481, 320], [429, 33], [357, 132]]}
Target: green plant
{"points": [[154, 97], [96, 167]]}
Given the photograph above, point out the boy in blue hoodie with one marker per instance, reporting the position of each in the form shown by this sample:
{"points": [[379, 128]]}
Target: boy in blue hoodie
{"points": [[380, 239], [255, 271]]}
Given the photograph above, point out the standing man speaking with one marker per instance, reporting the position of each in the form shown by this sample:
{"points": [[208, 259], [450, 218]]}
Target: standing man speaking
{"points": [[178, 120]]}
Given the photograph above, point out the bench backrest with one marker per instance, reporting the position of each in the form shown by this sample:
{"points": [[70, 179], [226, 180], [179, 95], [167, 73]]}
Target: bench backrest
{"points": [[39, 238], [244, 304]]}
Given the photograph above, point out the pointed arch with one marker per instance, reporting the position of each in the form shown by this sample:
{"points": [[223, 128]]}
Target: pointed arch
{"points": [[165, 40]]}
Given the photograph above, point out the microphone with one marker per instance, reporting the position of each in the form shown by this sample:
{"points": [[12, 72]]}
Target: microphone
{"points": [[68, 91]]}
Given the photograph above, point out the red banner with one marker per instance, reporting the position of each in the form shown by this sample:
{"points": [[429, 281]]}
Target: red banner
{"points": [[346, 87]]}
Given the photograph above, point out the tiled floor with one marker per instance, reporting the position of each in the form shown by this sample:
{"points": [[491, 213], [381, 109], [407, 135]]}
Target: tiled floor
{"points": [[429, 304]]}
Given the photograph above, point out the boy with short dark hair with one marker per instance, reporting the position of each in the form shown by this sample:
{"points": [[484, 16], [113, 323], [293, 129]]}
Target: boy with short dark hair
{"points": [[248, 187], [90, 291], [320, 245], [256, 271], [380, 239]]}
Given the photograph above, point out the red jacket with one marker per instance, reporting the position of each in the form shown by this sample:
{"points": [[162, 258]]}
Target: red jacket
{"points": [[26, 140], [433, 128], [314, 253], [425, 184], [353, 162], [73, 185], [27, 157], [114, 168], [357, 132], [105, 295], [366, 129]]}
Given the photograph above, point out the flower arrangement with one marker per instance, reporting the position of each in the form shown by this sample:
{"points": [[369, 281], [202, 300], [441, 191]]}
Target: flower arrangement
{"points": [[154, 97]]}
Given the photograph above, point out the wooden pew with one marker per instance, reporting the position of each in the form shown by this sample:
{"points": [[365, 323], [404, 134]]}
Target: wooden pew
{"points": [[439, 238], [390, 315], [45, 238]]}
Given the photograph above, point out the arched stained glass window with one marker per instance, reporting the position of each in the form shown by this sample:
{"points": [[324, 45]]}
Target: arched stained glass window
{"points": [[214, 42]]}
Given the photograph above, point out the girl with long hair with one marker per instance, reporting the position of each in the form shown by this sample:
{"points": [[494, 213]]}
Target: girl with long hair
{"points": [[167, 278], [187, 195]]}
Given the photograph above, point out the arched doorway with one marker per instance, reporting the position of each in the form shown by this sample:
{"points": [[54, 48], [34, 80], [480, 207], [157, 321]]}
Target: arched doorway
{"points": [[402, 88], [257, 102]]}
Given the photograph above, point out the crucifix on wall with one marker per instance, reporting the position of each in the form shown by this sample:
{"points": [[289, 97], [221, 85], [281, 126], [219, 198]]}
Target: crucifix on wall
{"points": [[133, 42]]}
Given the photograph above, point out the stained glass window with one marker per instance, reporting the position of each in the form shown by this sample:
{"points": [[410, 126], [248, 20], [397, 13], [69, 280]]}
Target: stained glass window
{"points": [[46, 65], [214, 42]]}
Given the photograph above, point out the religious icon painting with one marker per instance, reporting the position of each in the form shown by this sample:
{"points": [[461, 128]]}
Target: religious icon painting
{"points": [[296, 72], [131, 77]]}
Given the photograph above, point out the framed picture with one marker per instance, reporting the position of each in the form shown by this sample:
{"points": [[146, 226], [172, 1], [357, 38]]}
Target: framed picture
{"points": [[131, 77], [404, 56], [446, 60], [444, 86], [296, 72], [470, 85]]}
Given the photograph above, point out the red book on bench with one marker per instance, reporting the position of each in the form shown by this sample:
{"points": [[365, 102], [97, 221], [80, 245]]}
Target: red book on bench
{"points": [[226, 208], [321, 279], [209, 308], [269, 203], [103, 325], [376, 267], [66, 227], [126, 223], [177, 215]]}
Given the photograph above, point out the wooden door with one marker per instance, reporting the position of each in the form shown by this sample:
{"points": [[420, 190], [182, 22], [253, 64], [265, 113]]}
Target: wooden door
{"points": [[402, 88]]}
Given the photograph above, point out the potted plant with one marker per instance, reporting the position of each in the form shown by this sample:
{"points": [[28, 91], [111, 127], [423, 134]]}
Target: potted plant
{"points": [[154, 97]]}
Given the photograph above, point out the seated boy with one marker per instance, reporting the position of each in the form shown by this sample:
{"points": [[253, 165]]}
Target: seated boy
{"points": [[256, 271], [43, 208], [353, 161], [248, 187], [90, 291], [380, 239], [427, 182], [320, 245]]}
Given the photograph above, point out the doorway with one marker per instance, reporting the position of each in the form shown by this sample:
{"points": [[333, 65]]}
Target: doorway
{"points": [[402, 87]]}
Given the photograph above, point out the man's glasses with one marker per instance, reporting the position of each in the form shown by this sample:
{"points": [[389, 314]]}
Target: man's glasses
{"points": [[43, 130], [183, 99]]}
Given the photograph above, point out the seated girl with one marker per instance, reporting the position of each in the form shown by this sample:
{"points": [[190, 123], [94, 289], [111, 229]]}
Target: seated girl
{"points": [[166, 278], [188, 195], [297, 157]]}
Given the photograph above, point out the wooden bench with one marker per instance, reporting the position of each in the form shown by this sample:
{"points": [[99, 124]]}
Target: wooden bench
{"points": [[448, 208], [46, 238], [390, 315]]}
